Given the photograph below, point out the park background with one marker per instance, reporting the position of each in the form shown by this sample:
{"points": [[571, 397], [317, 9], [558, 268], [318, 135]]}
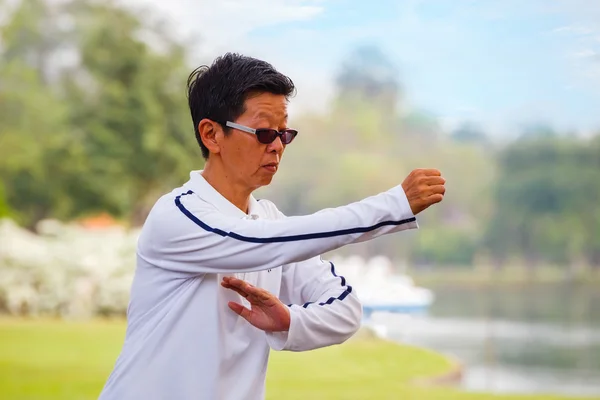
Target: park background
{"points": [[502, 97]]}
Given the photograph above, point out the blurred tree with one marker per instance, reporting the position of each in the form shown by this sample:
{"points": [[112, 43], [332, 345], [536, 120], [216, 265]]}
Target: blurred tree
{"points": [[128, 102], [445, 245], [4, 210], [469, 132], [37, 157], [368, 74], [93, 111], [592, 162], [423, 127], [538, 131], [546, 201], [32, 36]]}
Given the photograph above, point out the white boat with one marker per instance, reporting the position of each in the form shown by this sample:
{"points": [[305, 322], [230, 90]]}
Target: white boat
{"points": [[382, 289]]}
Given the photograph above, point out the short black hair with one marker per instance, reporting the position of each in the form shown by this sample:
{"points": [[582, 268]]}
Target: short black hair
{"points": [[219, 92]]}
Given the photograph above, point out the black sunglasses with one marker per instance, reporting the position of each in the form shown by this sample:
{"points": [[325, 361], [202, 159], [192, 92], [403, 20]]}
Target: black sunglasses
{"points": [[265, 135]]}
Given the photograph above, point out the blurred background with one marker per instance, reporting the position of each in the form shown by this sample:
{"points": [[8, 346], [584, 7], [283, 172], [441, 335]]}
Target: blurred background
{"points": [[502, 97]]}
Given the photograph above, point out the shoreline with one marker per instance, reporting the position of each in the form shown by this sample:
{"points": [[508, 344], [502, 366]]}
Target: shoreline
{"points": [[450, 378], [483, 276]]}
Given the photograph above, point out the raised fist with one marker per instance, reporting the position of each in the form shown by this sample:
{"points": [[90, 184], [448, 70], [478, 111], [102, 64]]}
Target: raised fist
{"points": [[424, 187]]}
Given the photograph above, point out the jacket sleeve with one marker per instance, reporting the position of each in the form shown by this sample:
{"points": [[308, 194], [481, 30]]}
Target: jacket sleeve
{"points": [[324, 308], [186, 234]]}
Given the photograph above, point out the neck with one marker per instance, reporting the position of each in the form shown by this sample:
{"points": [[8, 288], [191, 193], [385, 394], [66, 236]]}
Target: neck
{"points": [[226, 185]]}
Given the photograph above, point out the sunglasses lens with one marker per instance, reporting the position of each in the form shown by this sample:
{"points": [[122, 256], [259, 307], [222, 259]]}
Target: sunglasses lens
{"points": [[288, 136], [266, 136]]}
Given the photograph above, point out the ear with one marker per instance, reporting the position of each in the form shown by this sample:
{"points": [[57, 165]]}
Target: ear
{"points": [[211, 134]]}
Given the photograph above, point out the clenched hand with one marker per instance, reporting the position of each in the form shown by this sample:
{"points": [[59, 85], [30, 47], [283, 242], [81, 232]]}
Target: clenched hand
{"points": [[424, 187], [267, 312]]}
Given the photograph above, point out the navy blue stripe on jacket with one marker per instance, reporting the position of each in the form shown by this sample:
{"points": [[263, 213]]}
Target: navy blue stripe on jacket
{"points": [[292, 238], [341, 296]]}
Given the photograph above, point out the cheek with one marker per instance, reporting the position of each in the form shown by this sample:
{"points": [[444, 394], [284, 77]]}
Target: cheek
{"points": [[232, 149], [243, 154]]}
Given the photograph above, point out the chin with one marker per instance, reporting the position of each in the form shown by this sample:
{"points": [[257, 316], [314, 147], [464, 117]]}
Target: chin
{"points": [[264, 181]]}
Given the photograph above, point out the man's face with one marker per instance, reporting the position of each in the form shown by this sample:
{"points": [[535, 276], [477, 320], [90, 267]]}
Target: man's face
{"points": [[251, 163]]}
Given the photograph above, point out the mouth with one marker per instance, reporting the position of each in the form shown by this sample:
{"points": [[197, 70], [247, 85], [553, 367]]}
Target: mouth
{"points": [[271, 167]]}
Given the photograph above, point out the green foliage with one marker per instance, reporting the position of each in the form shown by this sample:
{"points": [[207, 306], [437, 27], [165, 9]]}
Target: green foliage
{"points": [[4, 210], [547, 198], [470, 133], [35, 156], [107, 133], [131, 111], [445, 245]]}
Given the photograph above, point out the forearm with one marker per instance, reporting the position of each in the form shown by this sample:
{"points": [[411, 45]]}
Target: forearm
{"points": [[320, 324]]}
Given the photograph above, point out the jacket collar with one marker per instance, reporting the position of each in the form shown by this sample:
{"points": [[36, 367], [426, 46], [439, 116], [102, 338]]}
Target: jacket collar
{"points": [[206, 192]]}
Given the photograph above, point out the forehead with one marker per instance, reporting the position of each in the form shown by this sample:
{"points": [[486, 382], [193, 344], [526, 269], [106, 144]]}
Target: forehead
{"points": [[266, 105]]}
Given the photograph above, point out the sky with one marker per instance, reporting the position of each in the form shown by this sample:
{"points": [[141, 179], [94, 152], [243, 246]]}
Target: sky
{"points": [[500, 63]]}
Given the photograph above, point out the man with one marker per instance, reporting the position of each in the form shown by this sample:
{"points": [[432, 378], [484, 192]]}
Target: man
{"points": [[222, 278]]}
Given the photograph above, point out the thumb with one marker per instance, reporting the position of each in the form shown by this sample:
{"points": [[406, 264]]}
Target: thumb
{"points": [[240, 310]]}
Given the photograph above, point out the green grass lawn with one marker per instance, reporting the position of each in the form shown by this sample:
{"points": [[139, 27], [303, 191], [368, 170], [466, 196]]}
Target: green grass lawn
{"points": [[71, 361]]}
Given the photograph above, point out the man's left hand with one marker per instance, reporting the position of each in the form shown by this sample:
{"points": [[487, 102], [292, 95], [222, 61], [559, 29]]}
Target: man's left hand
{"points": [[267, 312]]}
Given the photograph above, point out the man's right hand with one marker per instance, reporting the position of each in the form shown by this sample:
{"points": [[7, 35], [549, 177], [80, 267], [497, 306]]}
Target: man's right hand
{"points": [[423, 187]]}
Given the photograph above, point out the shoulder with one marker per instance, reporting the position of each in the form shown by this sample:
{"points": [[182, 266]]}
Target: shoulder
{"points": [[181, 199], [270, 209], [174, 210], [174, 219]]}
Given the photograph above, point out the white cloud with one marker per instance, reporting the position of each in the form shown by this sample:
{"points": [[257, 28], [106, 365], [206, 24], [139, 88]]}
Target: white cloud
{"points": [[583, 8], [586, 66], [217, 25], [310, 57], [585, 53], [212, 27], [575, 30], [584, 50]]}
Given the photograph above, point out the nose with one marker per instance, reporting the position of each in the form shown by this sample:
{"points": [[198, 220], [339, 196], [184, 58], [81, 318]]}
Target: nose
{"points": [[276, 146]]}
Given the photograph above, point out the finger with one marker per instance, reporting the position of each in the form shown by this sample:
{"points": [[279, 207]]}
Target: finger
{"points": [[438, 189], [238, 283], [431, 172], [435, 198], [226, 282], [237, 290], [229, 280], [240, 310], [251, 293], [434, 180], [249, 289], [258, 293]]}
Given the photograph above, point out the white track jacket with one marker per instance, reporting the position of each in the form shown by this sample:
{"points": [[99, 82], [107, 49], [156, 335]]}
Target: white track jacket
{"points": [[182, 340]]}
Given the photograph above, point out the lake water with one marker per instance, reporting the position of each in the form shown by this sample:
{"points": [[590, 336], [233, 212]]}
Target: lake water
{"points": [[535, 339]]}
